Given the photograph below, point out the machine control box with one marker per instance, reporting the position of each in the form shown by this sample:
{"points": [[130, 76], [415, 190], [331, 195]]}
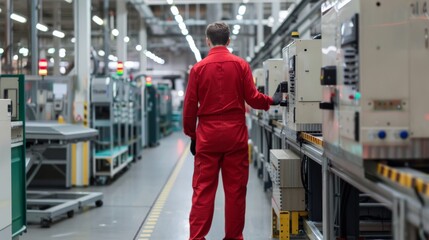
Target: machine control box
{"points": [[273, 75], [101, 90], [302, 61]]}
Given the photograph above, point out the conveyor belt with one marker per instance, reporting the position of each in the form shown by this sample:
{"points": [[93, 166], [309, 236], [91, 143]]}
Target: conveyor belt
{"points": [[405, 177], [315, 140]]}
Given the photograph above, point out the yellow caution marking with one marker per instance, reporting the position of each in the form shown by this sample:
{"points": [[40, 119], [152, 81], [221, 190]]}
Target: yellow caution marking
{"points": [[153, 216], [74, 164]]}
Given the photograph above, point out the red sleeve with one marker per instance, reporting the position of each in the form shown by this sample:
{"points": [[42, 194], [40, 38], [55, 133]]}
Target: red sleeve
{"points": [[252, 97], [190, 106]]}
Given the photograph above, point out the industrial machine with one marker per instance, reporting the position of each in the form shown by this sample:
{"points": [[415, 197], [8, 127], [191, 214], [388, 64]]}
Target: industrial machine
{"points": [[152, 106], [165, 108], [259, 79], [369, 119], [12, 87], [110, 116], [49, 99], [302, 60], [274, 75], [5, 171]]}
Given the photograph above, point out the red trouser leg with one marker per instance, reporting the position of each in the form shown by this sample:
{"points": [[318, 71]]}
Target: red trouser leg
{"points": [[235, 174], [204, 183]]}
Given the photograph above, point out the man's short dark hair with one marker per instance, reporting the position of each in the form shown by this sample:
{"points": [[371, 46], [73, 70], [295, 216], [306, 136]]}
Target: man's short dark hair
{"points": [[218, 33]]}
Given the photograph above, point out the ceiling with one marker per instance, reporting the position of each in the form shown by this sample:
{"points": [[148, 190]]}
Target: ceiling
{"points": [[164, 35]]}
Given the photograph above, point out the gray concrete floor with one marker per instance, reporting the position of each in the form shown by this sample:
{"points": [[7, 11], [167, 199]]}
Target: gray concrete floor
{"points": [[129, 199]]}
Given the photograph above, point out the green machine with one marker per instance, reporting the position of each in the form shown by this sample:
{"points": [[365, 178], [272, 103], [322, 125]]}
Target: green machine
{"points": [[12, 87], [152, 106]]}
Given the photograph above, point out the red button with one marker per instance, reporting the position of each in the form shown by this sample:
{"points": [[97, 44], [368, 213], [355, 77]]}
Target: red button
{"points": [[351, 97]]}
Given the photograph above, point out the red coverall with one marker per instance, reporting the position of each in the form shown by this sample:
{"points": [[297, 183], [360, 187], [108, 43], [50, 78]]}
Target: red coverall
{"points": [[218, 88]]}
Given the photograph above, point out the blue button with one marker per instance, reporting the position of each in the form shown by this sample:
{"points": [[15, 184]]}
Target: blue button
{"points": [[382, 134], [403, 134]]}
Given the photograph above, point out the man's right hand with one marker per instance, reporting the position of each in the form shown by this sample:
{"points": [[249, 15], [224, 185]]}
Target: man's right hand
{"points": [[278, 96], [193, 147]]}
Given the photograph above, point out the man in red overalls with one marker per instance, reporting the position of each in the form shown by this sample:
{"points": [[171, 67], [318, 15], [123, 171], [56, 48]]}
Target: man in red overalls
{"points": [[218, 88]]}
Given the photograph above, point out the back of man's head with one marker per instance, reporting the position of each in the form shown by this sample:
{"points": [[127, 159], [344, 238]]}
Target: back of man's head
{"points": [[218, 33]]}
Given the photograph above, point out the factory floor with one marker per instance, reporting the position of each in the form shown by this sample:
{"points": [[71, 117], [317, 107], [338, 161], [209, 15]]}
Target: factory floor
{"points": [[152, 201]]}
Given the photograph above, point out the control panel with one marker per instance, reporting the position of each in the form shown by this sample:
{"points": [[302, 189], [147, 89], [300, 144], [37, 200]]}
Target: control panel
{"points": [[273, 75], [373, 95], [302, 61]]}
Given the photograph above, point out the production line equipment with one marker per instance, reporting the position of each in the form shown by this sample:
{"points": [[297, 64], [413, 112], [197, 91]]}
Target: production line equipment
{"points": [[12, 87], [110, 116], [273, 75], [374, 94], [302, 62], [5, 171]]}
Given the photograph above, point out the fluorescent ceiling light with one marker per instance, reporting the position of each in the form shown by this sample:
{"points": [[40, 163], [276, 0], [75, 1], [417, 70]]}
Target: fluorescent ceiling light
{"points": [[178, 18], [242, 10], [235, 31], [52, 60], [97, 20], [15, 57], [69, 1], [1, 50], [57, 33], [18, 18], [51, 50], [248, 58], [115, 32], [174, 10], [73, 40], [239, 17], [236, 26], [182, 25], [126, 39], [185, 32], [41, 27], [101, 53], [24, 51], [139, 47]]}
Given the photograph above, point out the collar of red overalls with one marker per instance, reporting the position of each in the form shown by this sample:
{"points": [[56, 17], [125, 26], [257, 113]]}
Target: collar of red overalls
{"points": [[218, 49]]}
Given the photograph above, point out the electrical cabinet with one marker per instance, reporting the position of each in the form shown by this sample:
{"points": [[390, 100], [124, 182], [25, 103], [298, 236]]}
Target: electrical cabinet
{"points": [[274, 75], [302, 59], [375, 91], [5, 170]]}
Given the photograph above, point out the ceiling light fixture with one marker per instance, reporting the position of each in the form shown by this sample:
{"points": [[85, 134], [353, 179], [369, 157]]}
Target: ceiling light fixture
{"points": [[41, 27], [115, 32], [18, 18], [242, 10], [126, 39], [97, 20], [58, 34], [101, 53], [139, 47], [174, 10]]}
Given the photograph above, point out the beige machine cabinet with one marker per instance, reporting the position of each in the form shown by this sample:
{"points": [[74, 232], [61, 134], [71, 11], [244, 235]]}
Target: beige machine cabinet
{"points": [[284, 170], [274, 75], [381, 80], [303, 60], [5, 170], [259, 79]]}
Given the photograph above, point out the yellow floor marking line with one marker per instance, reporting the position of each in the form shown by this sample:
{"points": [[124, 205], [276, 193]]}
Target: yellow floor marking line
{"points": [[153, 216]]}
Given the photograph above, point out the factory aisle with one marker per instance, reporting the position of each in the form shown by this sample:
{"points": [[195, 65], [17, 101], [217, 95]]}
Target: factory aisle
{"points": [[152, 201]]}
